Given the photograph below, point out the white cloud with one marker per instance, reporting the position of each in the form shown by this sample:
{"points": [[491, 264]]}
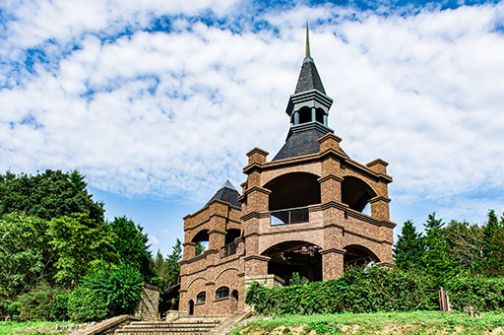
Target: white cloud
{"points": [[175, 113]]}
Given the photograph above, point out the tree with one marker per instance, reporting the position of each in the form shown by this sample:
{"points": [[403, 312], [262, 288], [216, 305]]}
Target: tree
{"points": [[173, 261], [465, 242], [77, 242], [409, 247], [492, 261], [22, 248], [131, 245], [437, 259], [48, 195]]}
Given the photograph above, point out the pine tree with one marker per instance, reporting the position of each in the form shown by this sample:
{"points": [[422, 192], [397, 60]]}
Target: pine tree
{"points": [[437, 260], [492, 262], [409, 247]]}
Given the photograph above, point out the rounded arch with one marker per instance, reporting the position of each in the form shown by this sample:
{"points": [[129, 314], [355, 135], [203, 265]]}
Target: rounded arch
{"points": [[358, 255], [356, 193], [231, 235], [224, 272], [287, 258], [195, 280], [291, 190], [201, 238]]}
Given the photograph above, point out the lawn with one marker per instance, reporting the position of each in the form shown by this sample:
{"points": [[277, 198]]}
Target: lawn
{"points": [[35, 328], [407, 323]]}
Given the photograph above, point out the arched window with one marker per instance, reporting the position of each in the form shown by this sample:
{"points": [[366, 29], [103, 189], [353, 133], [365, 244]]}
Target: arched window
{"points": [[200, 298], [201, 240], [222, 292]]}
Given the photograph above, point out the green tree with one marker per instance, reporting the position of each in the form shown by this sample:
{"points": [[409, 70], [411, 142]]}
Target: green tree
{"points": [[22, 249], [131, 245], [173, 261], [437, 259], [465, 242], [492, 260], [409, 248], [48, 195], [77, 242]]}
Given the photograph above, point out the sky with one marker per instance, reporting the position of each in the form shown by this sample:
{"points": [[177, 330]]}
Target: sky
{"points": [[157, 102]]}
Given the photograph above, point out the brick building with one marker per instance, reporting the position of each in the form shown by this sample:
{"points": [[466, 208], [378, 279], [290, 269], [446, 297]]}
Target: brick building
{"points": [[302, 211]]}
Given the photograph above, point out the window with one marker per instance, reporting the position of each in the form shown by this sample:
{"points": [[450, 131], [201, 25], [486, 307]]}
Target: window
{"points": [[222, 292], [200, 298]]}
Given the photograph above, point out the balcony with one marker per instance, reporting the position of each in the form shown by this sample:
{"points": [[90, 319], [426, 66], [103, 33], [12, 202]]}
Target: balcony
{"points": [[229, 249], [290, 216]]}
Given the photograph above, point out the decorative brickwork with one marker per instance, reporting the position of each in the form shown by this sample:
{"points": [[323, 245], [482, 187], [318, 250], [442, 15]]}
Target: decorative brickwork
{"points": [[304, 211]]}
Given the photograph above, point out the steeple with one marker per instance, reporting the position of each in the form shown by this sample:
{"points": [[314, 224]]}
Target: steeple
{"points": [[308, 109]]}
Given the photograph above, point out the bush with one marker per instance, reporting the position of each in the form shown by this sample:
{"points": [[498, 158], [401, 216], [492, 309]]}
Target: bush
{"points": [[105, 294], [485, 294], [43, 303], [9, 310], [360, 291]]}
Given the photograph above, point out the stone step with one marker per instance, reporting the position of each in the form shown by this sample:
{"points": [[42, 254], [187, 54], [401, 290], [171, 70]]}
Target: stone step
{"points": [[150, 330], [177, 325], [158, 333]]}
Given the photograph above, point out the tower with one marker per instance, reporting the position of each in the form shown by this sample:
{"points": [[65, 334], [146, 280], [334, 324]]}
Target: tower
{"points": [[302, 212]]}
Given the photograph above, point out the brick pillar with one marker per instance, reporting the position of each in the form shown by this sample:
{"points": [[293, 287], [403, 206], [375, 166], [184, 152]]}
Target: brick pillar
{"points": [[189, 250], [330, 181], [216, 239], [332, 263], [380, 208]]}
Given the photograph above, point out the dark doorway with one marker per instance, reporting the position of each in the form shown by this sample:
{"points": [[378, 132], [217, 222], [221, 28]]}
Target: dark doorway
{"points": [[234, 301], [191, 307], [290, 257]]}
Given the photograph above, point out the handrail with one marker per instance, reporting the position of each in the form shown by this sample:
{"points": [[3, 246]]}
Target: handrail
{"points": [[229, 249], [290, 216]]}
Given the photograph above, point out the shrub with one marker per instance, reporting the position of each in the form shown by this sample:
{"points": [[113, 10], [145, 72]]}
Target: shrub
{"points": [[43, 303], [9, 310], [106, 293], [485, 294], [370, 290]]}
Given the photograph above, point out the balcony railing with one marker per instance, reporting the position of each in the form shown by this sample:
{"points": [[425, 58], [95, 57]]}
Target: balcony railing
{"points": [[229, 249], [289, 216]]}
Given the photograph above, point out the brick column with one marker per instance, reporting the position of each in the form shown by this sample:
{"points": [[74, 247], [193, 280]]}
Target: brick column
{"points": [[332, 263], [380, 208], [330, 181], [189, 250], [216, 239]]}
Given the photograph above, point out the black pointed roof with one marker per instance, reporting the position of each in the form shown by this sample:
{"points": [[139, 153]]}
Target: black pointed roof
{"points": [[309, 78], [227, 193], [302, 141]]}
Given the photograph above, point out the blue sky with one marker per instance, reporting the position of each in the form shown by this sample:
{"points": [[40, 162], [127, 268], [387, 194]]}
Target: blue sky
{"points": [[157, 102]]}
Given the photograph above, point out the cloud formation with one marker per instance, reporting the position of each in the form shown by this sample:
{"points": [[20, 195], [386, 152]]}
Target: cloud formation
{"points": [[104, 87]]}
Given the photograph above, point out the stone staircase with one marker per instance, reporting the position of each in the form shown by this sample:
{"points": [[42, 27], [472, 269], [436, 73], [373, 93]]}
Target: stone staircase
{"points": [[182, 326]]}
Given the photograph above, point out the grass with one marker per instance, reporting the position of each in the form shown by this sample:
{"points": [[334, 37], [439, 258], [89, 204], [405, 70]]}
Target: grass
{"points": [[405, 323], [35, 328]]}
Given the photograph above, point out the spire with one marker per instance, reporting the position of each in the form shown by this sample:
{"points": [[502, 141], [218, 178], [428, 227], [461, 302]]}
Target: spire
{"points": [[229, 185], [307, 48]]}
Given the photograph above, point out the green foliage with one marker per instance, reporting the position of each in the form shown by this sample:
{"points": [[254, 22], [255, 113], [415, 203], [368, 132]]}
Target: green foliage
{"points": [[485, 294], [370, 290], [199, 248], [43, 303], [84, 304], [23, 247], [105, 294], [297, 279], [76, 242], [437, 260], [130, 245], [48, 195], [9, 309], [409, 247], [465, 242], [492, 260]]}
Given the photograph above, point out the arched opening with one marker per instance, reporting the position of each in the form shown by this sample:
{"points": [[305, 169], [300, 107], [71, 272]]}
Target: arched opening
{"points": [[190, 308], [319, 115], [234, 301], [290, 195], [230, 245], [292, 257], [356, 193], [357, 255], [201, 240], [222, 293], [304, 115]]}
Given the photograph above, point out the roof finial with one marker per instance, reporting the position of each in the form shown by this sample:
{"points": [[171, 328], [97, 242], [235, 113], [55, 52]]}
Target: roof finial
{"points": [[307, 50]]}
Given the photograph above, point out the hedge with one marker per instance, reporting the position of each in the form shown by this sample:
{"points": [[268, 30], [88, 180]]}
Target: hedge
{"points": [[375, 290]]}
